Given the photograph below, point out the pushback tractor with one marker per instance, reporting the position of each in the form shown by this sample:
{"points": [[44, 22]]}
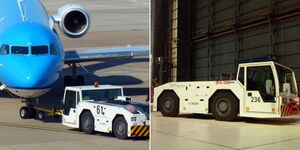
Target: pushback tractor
{"points": [[101, 108], [260, 90]]}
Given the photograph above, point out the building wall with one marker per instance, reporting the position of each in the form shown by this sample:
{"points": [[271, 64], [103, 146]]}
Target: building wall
{"points": [[224, 33], [215, 35]]}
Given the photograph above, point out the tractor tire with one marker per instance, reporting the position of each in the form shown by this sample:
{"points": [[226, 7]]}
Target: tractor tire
{"points": [[120, 128], [169, 104], [87, 122], [224, 106]]}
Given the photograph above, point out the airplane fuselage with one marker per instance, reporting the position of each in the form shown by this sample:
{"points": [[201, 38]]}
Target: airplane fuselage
{"points": [[31, 53]]}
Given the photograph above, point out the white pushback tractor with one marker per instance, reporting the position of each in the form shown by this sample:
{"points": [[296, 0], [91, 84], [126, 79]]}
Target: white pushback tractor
{"points": [[261, 90], [104, 108], [101, 108]]}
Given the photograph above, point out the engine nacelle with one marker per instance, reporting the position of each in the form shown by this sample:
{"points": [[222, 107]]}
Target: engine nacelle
{"points": [[73, 20]]}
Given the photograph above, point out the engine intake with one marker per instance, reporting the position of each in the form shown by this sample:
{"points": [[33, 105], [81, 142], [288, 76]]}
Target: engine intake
{"points": [[74, 20]]}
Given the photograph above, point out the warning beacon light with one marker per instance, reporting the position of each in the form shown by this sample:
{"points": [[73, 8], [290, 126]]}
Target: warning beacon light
{"points": [[96, 84]]}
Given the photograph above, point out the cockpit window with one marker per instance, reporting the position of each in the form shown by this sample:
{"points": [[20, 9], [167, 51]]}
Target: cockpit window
{"points": [[19, 50], [5, 50], [53, 50], [39, 50]]}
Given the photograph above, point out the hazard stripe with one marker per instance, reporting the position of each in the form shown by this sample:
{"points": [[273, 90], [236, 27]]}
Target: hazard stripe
{"points": [[138, 131], [285, 110], [147, 133], [133, 129], [142, 132]]}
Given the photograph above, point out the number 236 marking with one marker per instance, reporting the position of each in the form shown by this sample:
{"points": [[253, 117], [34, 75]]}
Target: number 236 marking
{"points": [[255, 99]]}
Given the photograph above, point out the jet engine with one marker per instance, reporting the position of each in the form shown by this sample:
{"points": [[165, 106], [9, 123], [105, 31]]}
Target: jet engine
{"points": [[73, 20]]}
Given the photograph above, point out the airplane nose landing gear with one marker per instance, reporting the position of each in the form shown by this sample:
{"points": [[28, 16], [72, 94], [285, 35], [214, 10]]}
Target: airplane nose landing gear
{"points": [[74, 80], [26, 112]]}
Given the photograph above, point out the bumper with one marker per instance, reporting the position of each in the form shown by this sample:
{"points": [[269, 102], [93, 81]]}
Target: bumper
{"points": [[138, 126], [139, 131], [290, 111]]}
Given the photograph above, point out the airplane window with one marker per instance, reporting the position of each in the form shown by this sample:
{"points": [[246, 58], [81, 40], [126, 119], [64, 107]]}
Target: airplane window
{"points": [[19, 50], [5, 50], [39, 50], [53, 50]]}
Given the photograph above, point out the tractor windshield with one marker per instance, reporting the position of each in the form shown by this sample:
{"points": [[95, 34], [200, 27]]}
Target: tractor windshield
{"points": [[100, 95], [287, 83]]}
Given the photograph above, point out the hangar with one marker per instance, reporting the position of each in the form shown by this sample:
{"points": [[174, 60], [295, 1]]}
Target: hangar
{"points": [[206, 39]]}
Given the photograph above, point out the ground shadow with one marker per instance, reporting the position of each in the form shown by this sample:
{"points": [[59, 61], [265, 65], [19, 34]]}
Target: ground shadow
{"points": [[109, 63], [111, 135], [270, 121], [265, 121]]}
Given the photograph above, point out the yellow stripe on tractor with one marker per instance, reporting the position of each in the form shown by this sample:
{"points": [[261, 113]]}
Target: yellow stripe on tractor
{"points": [[139, 131]]}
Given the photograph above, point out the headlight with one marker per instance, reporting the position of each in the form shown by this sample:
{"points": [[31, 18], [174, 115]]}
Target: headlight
{"points": [[131, 109], [133, 119]]}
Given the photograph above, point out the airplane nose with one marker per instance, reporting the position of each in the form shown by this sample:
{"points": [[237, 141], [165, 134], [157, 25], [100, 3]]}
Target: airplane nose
{"points": [[36, 73], [37, 78], [41, 75]]}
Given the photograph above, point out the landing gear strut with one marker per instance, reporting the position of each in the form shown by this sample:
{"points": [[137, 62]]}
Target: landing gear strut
{"points": [[74, 79]]}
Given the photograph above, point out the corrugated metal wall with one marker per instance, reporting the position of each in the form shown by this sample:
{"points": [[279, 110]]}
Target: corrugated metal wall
{"points": [[225, 31]]}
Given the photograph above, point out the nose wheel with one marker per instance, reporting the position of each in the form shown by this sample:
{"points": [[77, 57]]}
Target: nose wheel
{"points": [[26, 112]]}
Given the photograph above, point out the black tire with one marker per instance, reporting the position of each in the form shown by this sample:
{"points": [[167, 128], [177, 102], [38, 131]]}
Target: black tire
{"points": [[79, 80], [224, 106], [68, 81], [120, 128], [87, 122], [24, 113], [40, 115], [32, 113], [169, 104]]}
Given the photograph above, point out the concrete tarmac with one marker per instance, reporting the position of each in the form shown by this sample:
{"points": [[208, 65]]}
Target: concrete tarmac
{"points": [[194, 132], [110, 28]]}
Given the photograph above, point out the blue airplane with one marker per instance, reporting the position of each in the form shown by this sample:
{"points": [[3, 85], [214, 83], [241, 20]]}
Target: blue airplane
{"points": [[31, 52]]}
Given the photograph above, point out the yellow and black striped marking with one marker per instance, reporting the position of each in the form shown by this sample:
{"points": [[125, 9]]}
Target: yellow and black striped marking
{"points": [[139, 131]]}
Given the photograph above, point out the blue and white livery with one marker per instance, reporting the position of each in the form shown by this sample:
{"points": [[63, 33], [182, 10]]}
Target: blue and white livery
{"points": [[31, 52]]}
